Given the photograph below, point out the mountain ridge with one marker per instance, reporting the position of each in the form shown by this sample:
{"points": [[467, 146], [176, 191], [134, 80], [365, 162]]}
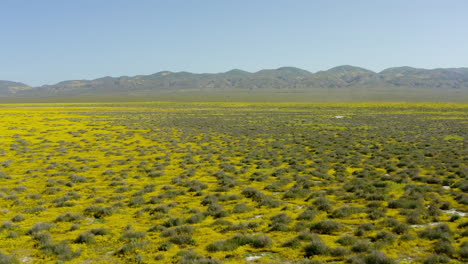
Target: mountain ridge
{"points": [[344, 76]]}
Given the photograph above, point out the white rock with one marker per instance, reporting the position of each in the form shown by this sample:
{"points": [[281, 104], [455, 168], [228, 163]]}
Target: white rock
{"points": [[252, 258], [453, 211]]}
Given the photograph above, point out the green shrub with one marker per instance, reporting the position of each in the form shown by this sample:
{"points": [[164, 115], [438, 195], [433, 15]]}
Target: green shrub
{"points": [[444, 247], [196, 218], [69, 217], [361, 246], [385, 237], [435, 259], [62, 250], [316, 247], [173, 221], [323, 204], [100, 231], [400, 228], [182, 239], [18, 218], [326, 227], [38, 227], [130, 248], [339, 252], [345, 211], [261, 241], [191, 257], [97, 211], [131, 235], [216, 210], [241, 208], [377, 257], [308, 214], [346, 240], [7, 259], [238, 240], [292, 243], [441, 231], [85, 238], [165, 246], [136, 201], [42, 239]]}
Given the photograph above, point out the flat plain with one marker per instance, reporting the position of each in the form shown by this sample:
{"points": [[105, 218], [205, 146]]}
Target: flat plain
{"points": [[234, 183]]}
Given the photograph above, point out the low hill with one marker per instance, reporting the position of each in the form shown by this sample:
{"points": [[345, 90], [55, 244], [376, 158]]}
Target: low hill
{"points": [[8, 88], [284, 78]]}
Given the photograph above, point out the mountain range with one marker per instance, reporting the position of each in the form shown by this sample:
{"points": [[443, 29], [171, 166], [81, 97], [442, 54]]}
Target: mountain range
{"points": [[282, 78]]}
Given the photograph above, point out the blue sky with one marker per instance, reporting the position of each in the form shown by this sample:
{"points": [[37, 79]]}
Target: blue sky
{"points": [[47, 41]]}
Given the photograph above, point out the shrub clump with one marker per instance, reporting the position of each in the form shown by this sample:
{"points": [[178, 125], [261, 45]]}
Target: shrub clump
{"points": [[38, 227], [7, 259], [441, 231], [326, 227], [238, 240], [131, 235], [85, 238], [97, 211], [69, 217], [316, 247], [61, 249]]}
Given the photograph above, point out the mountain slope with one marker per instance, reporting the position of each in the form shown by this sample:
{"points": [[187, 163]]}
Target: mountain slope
{"points": [[345, 76], [8, 88]]}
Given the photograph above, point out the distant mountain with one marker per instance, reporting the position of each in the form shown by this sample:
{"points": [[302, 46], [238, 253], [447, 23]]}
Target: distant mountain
{"points": [[345, 76], [436, 78], [8, 88]]}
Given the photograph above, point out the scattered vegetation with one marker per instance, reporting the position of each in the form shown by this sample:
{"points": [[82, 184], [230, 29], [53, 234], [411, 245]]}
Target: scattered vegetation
{"points": [[233, 183]]}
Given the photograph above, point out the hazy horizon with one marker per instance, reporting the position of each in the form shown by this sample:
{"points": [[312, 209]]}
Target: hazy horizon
{"points": [[115, 76]]}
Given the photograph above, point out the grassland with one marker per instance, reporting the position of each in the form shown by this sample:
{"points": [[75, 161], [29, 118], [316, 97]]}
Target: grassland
{"points": [[234, 183]]}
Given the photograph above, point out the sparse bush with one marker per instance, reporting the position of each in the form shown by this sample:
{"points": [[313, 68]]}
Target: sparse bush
{"points": [[316, 247], [7, 259], [97, 211], [131, 235], [346, 240], [62, 250], [435, 259], [308, 214], [441, 231], [241, 208], [18, 218], [361, 246], [100, 231], [339, 252], [326, 227], [345, 211], [444, 247], [39, 227], [196, 218], [85, 238], [377, 257], [69, 217], [261, 241], [182, 239], [136, 201], [400, 228], [323, 204], [130, 248], [385, 237], [292, 243], [239, 240]]}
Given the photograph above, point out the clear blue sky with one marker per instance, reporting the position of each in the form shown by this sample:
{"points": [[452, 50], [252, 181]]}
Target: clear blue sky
{"points": [[49, 41]]}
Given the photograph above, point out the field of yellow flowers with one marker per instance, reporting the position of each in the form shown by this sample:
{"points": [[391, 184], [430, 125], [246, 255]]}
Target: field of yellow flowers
{"points": [[234, 183]]}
